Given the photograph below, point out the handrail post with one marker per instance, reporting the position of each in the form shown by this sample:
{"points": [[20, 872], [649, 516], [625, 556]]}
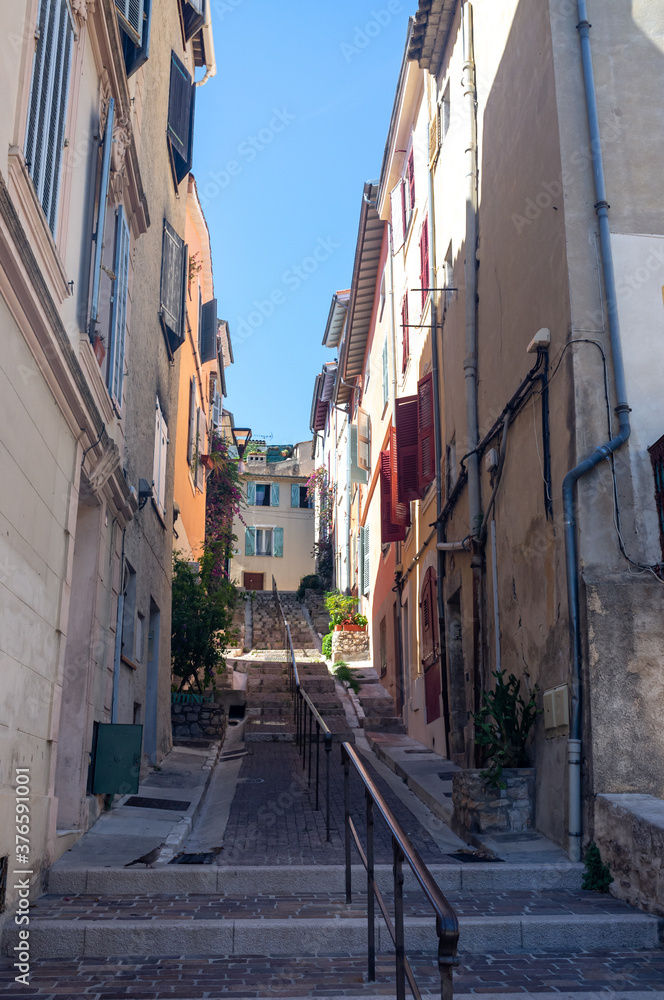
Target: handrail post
{"points": [[446, 963], [317, 760], [398, 920], [311, 725], [346, 762], [371, 899], [328, 750]]}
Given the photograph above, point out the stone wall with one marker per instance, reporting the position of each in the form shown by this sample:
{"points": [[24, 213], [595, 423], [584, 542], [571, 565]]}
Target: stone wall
{"points": [[350, 646], [481, 809], [629, 831], [198, 722]]}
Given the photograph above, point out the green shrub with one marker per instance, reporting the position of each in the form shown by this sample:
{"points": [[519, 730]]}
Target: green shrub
{"points": [[343, 673], [310, 582], [597, 876], [327, 646], [343, 609], [502, 727]]}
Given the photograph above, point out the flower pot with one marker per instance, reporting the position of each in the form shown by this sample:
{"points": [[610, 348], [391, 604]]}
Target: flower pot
{"points": [[349, 627], [338, 628], [99, 349]]}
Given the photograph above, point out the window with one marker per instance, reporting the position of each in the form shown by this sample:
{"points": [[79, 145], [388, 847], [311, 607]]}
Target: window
{"points": [[657, 458], [386, 377], [424, 261], [263, 541], [140, 632], [383, 646], [364, 440], [263, 491], [160, 455], [47, 112], [129, 612], [208, 331], [357, 473], [180, 119], [134, 22], [299, 497], [217, 407], [172, 286], [405, 334], [119, 309], [193, 16]]}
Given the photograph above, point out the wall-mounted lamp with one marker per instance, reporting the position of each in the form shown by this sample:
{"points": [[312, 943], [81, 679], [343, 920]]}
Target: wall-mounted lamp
{"points": [[241, 438], [144, 492]]}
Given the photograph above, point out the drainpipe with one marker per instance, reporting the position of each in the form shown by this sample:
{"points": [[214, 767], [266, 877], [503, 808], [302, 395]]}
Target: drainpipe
{"points": [[603, 451], [470, 361], [118, 638], [438, 438], [398, 576]]}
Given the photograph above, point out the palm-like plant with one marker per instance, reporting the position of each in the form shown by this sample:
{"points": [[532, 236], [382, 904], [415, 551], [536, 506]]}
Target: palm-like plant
{"points": [[503, 725]]}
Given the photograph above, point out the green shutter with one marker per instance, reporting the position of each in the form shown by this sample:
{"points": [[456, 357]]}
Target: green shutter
{"points": [[274, 495], [251, 494], [250, 542], [357, 475], [295, 496], [366, 578], [279, 542]]}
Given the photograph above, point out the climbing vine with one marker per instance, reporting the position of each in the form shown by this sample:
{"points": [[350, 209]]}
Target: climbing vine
{"points": [[322, 492], [224, 503]]}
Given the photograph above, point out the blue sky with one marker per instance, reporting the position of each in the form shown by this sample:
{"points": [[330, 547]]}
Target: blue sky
{"points": [[286, 135]]}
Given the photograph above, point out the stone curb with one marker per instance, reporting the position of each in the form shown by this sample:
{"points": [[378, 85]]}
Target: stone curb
{"points": [[444, 811], [262, 880], [309, 936]]}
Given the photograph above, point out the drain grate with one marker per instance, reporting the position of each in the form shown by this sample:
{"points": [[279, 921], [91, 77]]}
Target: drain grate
{"points": [[418, 751], [203, 858], [142, 802], [476, 857]]}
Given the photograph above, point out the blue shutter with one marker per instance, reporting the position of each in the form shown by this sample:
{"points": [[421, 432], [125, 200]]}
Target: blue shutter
{"points": [[274, 495], [101, 215], [208, 334], [119, 311], [279, 542], [250, 542], [138, 53], [172, 285], [251, 494], [181, 118], [47, 112], [295, 496]]}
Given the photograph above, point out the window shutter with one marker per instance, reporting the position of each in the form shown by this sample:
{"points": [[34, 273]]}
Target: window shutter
{"points": [[389, 532], [101, 214], [201, 448], [357, 474], [137, 53], [363, 440], [274, 495], [396, 211], [430, 651], [250, 542], [424, 260], [366, 560], [399, 507], [407, 447], [193, 16], [173, 270], [278, 542], [191, 434], [411, 180], [386, 376], [295, 496], [119, 311], [426, 459], [208, 336], [131, 18], [160, 455], [181, 117], [360, 562], [251, 494], [47, 113], [405, 333]]}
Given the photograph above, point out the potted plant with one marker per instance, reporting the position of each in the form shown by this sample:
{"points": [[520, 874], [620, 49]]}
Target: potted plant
{"points": [[343, 612], [99, 348], [354, 623], [502, 795]]}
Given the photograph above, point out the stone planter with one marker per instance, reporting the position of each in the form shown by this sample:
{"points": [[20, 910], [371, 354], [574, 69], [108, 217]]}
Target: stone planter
{"points": [[481, 809], [350, 646]]}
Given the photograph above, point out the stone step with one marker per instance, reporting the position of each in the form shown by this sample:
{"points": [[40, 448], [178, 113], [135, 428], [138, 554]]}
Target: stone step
{"points": [[313, 923]]}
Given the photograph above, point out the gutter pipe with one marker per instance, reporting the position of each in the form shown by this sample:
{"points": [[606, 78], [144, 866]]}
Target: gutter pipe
{"points": [[603, 451], [118, 637], [208, 41], [398, 575]]}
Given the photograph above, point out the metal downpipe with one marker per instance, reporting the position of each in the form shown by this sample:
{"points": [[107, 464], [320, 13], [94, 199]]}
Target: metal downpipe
{"points": [[602, 451], [401, 663]]}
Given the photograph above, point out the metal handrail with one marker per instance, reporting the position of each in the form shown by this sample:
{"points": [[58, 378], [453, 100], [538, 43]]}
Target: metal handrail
{"points": [[306, 717], [447, 925]]}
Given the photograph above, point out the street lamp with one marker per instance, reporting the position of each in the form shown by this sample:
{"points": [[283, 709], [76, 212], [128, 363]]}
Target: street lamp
{"points": [[241, 438]]}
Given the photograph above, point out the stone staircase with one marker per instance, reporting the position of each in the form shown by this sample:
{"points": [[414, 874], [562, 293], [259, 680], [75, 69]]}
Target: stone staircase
{"points": [[267, 625], [314, 601], [297, 621], [269, 703]]}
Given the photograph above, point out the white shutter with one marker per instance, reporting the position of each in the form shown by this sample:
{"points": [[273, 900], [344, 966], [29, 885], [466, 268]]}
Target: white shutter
{"points": [[398, 235], [119, 311], [363, 440], [48, 102], [160, 455], [131, 18], [366, 579]]}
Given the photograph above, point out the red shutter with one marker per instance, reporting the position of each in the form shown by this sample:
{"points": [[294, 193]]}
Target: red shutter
{"points": [[399, 506], [430, 651], [388, 532], [424, 260], [426, 458], [407, 447], [411, 179], [405, 333]]}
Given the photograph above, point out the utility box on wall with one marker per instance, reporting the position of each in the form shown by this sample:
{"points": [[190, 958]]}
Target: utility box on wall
{"points": [[115, 764], [555, 703]]}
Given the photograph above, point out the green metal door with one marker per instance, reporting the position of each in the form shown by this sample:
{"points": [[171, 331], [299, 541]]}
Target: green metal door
{"points": [[116, 758]]}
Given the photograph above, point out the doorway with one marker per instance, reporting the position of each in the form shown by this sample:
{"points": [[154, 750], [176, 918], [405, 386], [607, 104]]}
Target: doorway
{"points": [[253, 581], [152, 685]]}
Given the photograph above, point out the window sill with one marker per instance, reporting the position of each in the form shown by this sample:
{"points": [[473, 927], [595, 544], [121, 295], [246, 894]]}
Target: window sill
{"points": [[159, 514]]}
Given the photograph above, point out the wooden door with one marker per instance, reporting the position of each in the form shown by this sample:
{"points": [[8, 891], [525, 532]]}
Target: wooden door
{"points": [[430, 646], [253, 581]]}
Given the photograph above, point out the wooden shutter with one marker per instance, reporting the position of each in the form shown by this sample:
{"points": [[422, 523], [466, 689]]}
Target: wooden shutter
{"points": [[208, 336], [101, 215], [411, 180], [399, 507], [250, 542], [363, 440], [251, 494], [131, 18], [274, 495], [137, 54], [386, 374], [47, 112], [160, 455], [357, 473], [426, 459], [430, 650], [295, 496], [278, 542], [406, 412], [201, 448], [191, 433], [181, 117], [396, 209], [405, 334], [173, 271], [434, 135], [119, 310], [424, 260], [193, 16], [389, 532]]}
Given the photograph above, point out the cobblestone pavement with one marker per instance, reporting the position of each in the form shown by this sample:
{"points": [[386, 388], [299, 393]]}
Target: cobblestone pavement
{"points": [[204, 907], [202, 977], [273, 822]]}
